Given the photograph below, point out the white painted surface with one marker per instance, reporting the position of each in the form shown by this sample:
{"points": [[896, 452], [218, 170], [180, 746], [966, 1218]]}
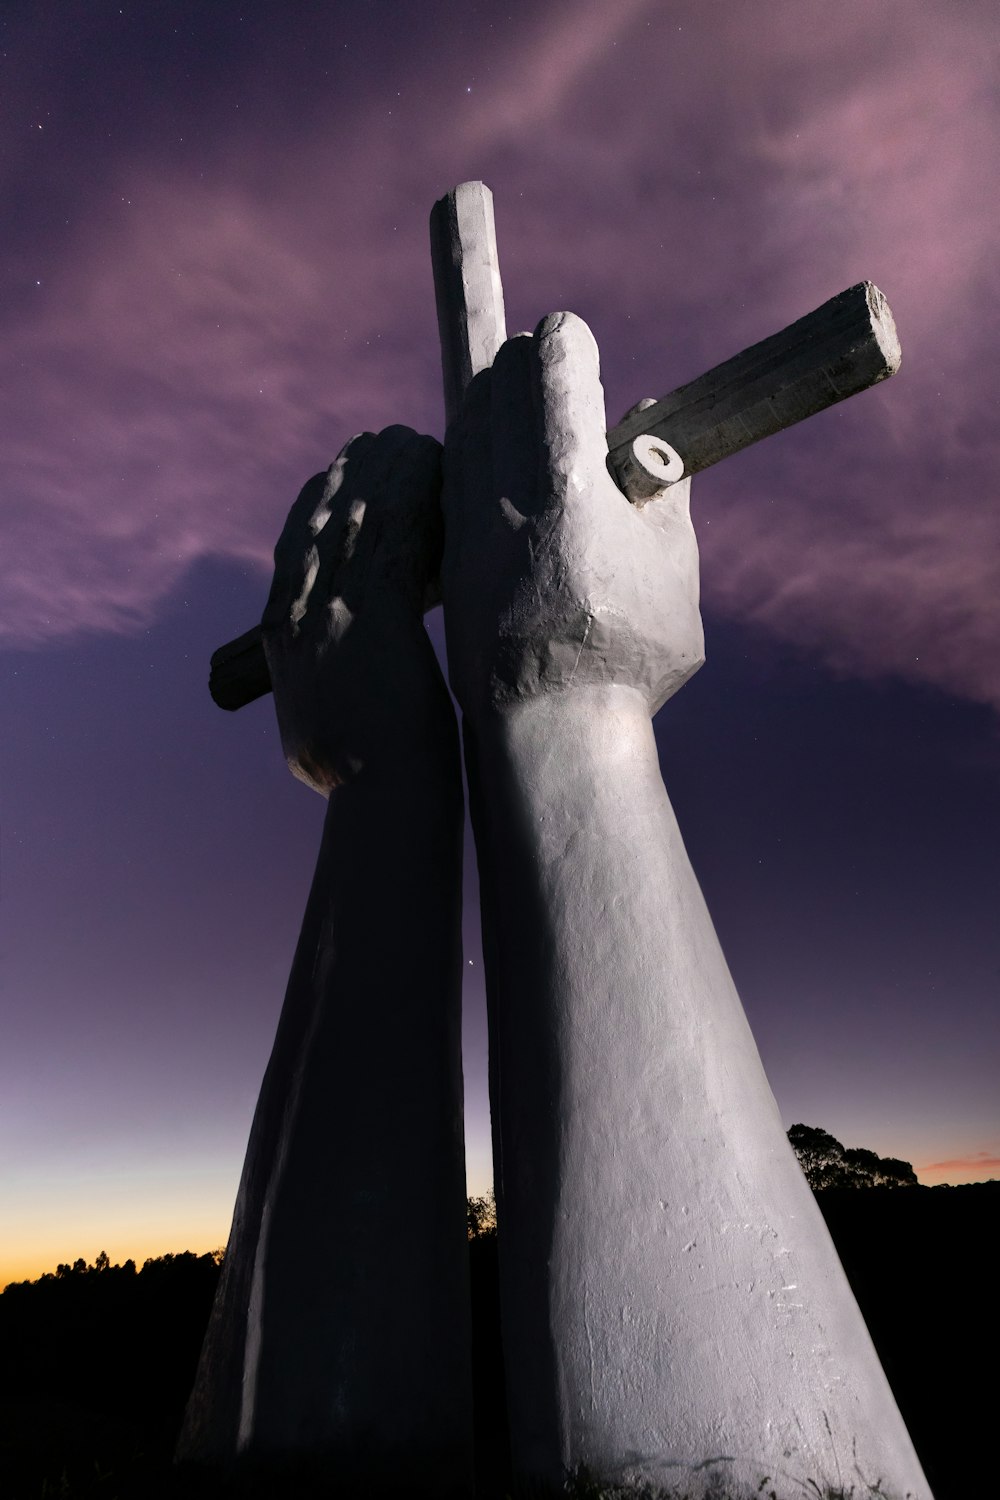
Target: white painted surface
{"points": [[673, 1307]]}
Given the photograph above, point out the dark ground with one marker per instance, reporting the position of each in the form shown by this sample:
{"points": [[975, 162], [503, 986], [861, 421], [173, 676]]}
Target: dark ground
{"points": [[95, 1365]]}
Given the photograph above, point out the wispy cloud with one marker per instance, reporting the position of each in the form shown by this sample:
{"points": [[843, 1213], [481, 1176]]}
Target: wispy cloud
{"points": [[686, 183], [980, 1162], [164, 400]]}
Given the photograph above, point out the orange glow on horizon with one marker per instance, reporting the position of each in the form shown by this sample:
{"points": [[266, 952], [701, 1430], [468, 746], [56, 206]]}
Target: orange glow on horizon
{"points": [[133, 1227], [30, 1266], [140, 1218], [959, 1170]]}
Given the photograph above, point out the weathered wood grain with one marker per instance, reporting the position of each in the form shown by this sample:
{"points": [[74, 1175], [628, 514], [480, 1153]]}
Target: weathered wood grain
{"points": [[845, 346]]}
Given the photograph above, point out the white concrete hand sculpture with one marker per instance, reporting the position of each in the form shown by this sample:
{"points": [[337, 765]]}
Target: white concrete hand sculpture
{"points": [[673, 1309], [553, 579], [339, 1340]]}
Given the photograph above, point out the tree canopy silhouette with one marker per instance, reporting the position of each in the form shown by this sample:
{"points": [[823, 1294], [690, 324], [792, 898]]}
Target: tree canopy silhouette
{"points": [[482, 1216], [828, 1164]]}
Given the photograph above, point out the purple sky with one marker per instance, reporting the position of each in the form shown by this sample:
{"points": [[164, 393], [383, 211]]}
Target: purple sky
{"points": [[217, 270]]}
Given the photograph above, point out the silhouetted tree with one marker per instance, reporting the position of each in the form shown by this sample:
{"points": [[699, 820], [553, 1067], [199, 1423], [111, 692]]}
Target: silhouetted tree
{"points": [[828, 1164], [482, 1216], [897, 1173]]}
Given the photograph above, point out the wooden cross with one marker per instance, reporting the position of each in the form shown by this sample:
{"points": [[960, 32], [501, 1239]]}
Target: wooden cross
{"points": [[842, 348]]}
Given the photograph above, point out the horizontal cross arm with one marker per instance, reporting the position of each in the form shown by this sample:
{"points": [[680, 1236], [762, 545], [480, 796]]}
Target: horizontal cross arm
{"points": [[840, 349], [845, 346]]}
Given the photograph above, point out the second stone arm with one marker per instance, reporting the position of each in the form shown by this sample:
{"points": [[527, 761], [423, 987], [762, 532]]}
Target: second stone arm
{"points": [[338, 1345]]}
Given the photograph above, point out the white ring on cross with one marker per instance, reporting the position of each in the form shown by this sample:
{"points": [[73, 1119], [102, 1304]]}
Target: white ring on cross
{"points": [[658, 459]]}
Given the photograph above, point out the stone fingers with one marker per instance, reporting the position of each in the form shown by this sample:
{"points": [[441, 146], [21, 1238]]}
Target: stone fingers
{"points": [[410, 523], [294, 558], [547, 424], [513, 429], [573, 427], [381, 493], [370, 466], [297, 553], [570, 407], [410, 482]]}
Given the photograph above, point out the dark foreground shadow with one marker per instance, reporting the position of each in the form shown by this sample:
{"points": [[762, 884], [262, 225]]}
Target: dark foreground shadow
{"points": [[96, 1364]]}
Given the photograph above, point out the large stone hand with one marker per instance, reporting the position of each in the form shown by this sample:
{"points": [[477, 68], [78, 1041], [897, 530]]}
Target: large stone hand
{"points": [[360, 1373], [552, 579], [350, 662]]}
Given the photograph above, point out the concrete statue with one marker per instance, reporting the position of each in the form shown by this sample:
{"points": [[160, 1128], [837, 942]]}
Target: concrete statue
{"points": [[673, 1311], [340, 1331]]}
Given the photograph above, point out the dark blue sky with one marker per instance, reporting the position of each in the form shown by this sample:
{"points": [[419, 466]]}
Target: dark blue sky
{"points": [[217, 270]]}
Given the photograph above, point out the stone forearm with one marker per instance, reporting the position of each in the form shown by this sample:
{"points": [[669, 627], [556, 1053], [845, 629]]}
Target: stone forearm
{"points": [[670, 1293], [603, 945], [356, 1162]]}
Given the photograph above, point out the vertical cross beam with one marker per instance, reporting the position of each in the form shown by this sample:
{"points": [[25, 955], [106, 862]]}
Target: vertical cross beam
{"points": [[467, 287]]}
